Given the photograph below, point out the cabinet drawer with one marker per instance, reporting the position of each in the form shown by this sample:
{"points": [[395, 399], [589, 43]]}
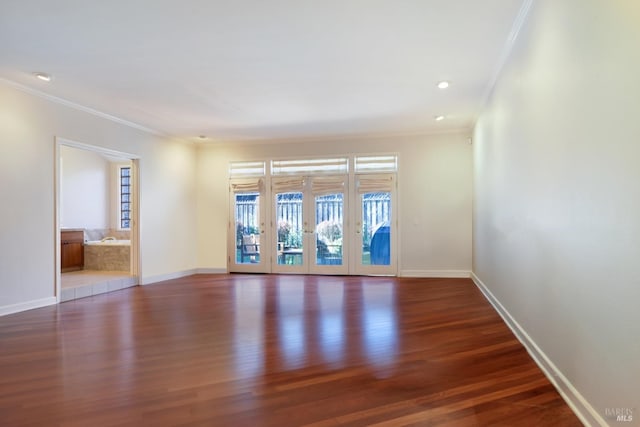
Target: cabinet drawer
{"points": [[72, 236]]}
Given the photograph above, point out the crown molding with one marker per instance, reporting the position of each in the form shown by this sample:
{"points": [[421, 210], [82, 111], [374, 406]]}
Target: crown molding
{"points": [[75, 106], [466, 131], [507, 49]]}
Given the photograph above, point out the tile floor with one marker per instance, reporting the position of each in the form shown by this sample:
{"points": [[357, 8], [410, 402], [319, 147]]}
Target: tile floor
{"points": [[85, 283]]}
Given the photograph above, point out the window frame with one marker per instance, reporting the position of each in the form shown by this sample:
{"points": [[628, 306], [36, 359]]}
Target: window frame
{"points": [[120, 185]]}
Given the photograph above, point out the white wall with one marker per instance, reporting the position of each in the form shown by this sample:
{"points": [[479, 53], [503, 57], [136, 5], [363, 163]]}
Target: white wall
{"points": [[557, 199], [434, 195], [85, 186], [28, 127]]}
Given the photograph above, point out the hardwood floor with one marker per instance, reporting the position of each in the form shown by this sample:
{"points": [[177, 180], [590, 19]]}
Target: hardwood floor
{"points": [[254, 350]]}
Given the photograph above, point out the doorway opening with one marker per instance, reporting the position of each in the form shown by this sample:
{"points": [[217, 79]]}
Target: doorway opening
{"points": [[96, 220]]}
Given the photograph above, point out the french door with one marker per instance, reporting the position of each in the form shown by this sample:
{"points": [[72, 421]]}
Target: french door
{"points": [[375, 225], [309, 224], [246, 247], [312, 221]]}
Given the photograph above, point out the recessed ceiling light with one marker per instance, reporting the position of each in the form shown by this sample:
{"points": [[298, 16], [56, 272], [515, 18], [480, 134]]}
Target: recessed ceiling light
{"points": [[443, 84], [43, 76], [438, 118]]}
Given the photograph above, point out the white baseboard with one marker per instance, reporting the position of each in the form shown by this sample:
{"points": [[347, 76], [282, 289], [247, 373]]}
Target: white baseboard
{"points": [[178, 274], [582, 408], [162, 277], [436, 273], [211, 271], [28, 305]]}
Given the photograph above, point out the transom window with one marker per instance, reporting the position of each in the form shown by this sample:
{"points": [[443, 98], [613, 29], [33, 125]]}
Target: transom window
{"points": [[383, 163]]}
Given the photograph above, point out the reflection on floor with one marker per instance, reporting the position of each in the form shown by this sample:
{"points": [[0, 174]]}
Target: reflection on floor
{"points": [[85, 283]]}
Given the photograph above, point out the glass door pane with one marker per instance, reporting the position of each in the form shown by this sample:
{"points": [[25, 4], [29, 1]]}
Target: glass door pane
{"points": [[376, 230], [329, 233], [329, 229], [290, 230], [247, 229]]}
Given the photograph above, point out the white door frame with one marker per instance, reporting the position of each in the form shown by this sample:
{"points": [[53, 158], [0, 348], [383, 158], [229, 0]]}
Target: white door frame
{"points": [[263, 266], [309, 232], [135, 268], [357, 267], [298, 184], [343, 268]]}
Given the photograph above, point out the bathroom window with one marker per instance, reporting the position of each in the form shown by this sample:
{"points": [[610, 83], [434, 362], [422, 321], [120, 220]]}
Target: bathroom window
{"points": [[125, 197]]}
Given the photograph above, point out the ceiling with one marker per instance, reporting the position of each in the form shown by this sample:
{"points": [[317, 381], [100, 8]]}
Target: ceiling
{"points": [[270, 69]]}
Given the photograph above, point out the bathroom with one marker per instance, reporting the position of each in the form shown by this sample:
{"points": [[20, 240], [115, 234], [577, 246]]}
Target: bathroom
{"points": [[95, 216]]}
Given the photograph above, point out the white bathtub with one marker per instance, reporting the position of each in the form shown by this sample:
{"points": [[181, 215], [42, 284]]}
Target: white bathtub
{"points": [[109, 255], [108, 243]]}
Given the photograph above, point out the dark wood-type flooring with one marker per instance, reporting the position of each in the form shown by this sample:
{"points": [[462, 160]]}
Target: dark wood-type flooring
{"points": [[269, 350]]}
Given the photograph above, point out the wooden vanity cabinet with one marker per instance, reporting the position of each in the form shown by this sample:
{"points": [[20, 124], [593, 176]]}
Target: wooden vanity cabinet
{"points": [[71, 250]]}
